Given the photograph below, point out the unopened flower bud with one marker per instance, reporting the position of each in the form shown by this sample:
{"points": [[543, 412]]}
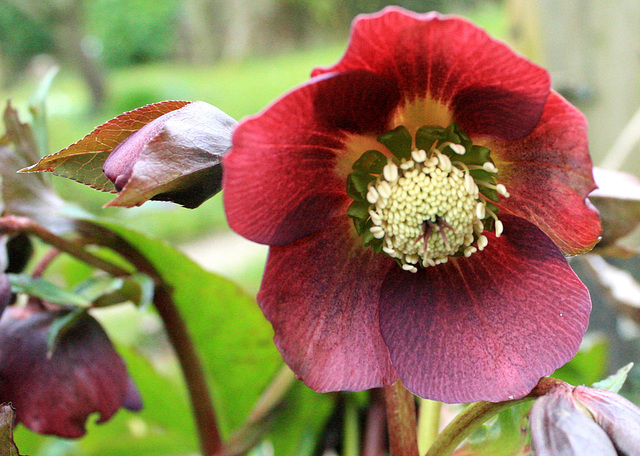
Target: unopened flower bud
{"points": [[175, 157], [584, 421]]}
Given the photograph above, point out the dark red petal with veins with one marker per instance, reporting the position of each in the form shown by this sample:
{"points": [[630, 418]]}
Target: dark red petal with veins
{"points": [[279, 178], [548, 175], [84, 375], [491, 90], [485, 327], [321, 295]]}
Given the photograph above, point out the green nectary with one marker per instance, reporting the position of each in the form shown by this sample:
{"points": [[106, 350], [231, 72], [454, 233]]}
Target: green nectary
{"points": [[432, 199]]}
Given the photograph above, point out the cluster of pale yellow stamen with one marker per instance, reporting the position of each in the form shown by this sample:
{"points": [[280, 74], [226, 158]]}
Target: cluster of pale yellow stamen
{"points": [[428, 208]]}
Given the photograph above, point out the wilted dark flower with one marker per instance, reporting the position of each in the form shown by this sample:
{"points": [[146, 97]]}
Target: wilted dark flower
{"points": [[417, 198], [582, 421], [175, 157], [56, 394]]}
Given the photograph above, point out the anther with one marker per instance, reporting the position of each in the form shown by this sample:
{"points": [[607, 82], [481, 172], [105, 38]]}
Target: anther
{"points": [[502, 190], [372, 195], [457, 148], [499, 228], [390, 172], [419, 156], [384, 189], [490, 167]]}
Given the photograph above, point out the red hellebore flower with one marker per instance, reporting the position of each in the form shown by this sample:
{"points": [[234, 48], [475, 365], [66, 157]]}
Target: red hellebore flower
{"points": [[56, 394], [418, 197]]}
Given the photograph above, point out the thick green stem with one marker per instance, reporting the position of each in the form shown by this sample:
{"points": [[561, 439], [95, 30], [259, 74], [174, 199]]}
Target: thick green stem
{"points": [[428, 423], [351, 434], [474, 415], [401, 420]]}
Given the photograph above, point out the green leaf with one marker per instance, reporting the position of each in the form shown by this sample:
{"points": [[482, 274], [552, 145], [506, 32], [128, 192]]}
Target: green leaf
{"points": [[43, 289], [105, 290], [299, 423], [502, 435], [614, 382], [588, 366], [398, 141], [83, 160], [372, 161], [229, 331]]}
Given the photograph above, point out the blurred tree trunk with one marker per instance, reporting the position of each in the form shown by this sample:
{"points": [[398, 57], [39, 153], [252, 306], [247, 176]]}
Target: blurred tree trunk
{"points": [[202, 30], [67, 19], [592, 50]]}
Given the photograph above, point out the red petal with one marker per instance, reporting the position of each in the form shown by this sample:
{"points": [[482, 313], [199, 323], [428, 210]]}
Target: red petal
{"points": [[85, 375], [279, 178], [491, 90], [549, 175], [321, 296], [485, 327]]}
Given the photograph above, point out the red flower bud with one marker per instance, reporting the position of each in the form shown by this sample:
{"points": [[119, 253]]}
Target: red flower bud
{"points": [[584, 421], [175, 157]]}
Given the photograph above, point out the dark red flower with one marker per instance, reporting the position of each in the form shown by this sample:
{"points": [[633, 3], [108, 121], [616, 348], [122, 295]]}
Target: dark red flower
{"points": [[584, 421], [56, 394], [373, 277]]}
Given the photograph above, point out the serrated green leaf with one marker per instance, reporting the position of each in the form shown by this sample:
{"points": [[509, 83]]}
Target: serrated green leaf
{"points": [[83, 160], [398, 141], [614, 382], [43, 289]]}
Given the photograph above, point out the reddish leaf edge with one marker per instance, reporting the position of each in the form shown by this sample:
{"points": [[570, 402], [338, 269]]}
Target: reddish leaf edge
{"points": [[139, 117]]}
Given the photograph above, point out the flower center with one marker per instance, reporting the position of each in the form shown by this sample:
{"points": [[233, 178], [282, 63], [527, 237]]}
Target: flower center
{"points": [[425, 204]]}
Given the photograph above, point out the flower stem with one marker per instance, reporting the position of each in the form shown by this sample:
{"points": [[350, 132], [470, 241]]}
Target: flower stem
{"points": [[201, 403], [474, 415], [15, 224], [351, 434], [428, 423], [401, 420], [373, 444]]}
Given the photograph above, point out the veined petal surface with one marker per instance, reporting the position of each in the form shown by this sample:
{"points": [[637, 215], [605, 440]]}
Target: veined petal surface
{"points": [[549, 175], [321, 294], [491, 90], [279, 178], [485, 327]]}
